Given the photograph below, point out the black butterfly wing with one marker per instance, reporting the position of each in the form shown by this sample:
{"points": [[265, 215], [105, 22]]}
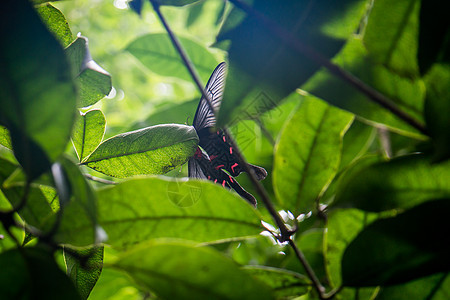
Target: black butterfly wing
{"points": [[217, 162], [204, 116]]}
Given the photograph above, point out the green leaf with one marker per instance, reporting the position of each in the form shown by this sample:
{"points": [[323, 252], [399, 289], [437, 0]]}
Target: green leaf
{"points": [[5, 139], [400, 183], [391, 35], [437, 109], [176, 270], [406, 93], [310, 140], [169, 113], [396, 250], [88, 132], [85, 268], [284, 283], [112, 284], [342, 227], [263, 70], [32, 273], [434, 287], [94, 83], [141, 209], [79, 224], [56, 22], [155, 51], [38, 95], [152, 150]]}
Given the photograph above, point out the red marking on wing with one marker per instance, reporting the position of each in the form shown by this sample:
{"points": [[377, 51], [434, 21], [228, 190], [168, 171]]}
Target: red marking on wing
{"points": [[234, 166], [209, 177], [198, 153], [212, 157], [224, 139], [231, 178], [231, 150], [223, 183], [215, 180], [219, 166]]}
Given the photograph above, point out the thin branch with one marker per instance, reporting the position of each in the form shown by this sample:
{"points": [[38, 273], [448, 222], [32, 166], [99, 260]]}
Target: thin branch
{"points": [[301, 257], [285, 232], [289, 39]]}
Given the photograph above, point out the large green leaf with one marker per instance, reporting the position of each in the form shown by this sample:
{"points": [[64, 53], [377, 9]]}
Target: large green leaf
{"points": [[176, 270], [88, 132], [437, 109], [56, 23], [308, 153], [38, 95], [140, 209], [262, 68], [84, 268], [32, 273], [434, 287], [284, 283], [406, 93], [94, 83], [398, 249], [400, 183], [342, 227], [156, 52], [79, 224], [152, 150], [391, 35]]}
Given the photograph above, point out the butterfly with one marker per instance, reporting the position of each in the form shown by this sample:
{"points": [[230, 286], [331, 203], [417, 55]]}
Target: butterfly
{"points": [[215, 158]]}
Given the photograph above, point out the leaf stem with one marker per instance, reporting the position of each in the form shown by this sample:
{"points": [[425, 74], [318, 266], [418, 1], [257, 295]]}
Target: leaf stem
{"points": [[289, 39]]}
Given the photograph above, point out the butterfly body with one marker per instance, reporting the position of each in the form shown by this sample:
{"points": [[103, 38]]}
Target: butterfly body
{"points": [[215, 158]]}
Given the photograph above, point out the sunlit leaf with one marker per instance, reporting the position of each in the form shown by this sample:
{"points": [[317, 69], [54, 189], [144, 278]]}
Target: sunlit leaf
{"points": [[391, 35], [262, 68], [140, 209], [406, 93], [400, 183], [175, 270], [308, 153], [398, 249], [94, 83], [342, 227], [56, 23], [5, 139], [152, 150], [85, 268], [88, 132], [29, 273], [156, 52], [38, 95]]}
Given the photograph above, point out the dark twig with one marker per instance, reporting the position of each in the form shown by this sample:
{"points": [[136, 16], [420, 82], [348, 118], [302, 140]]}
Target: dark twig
{"points": [[289, 39], [301, 257], [285, 232]]}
